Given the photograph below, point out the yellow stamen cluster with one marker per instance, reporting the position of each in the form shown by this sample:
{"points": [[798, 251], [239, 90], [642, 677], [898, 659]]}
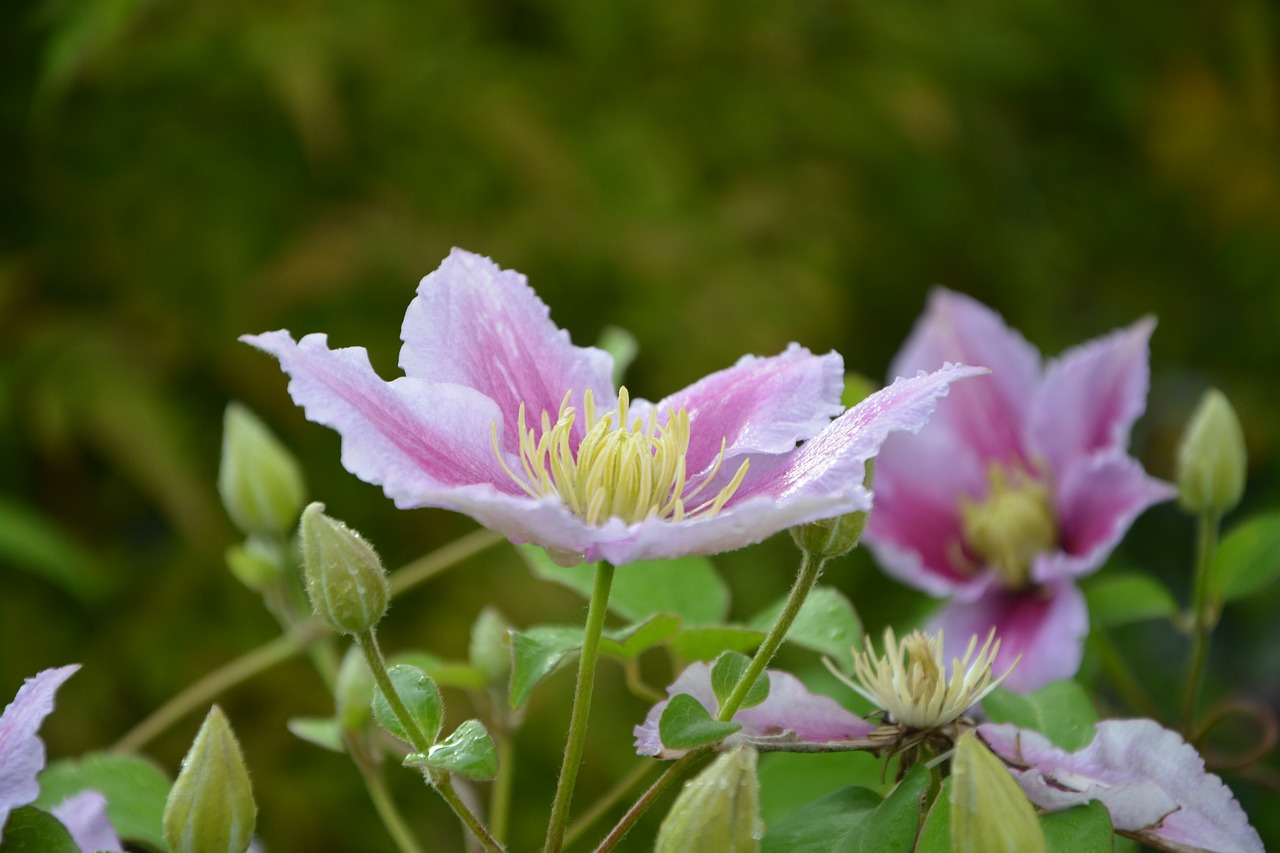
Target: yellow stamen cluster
{"points": [[1014, 523], [910, 681], [627, 470]]}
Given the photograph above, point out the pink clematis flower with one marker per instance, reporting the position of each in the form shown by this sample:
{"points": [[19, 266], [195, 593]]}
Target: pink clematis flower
{"points": [[1152, 782], [1022, 485], [501, 417]]}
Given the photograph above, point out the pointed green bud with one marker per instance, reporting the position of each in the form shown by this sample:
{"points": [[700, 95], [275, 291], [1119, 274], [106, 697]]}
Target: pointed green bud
{"points": [[259, 480], [490, 647], [210, 807], [257, 562], [718, 810], [346, 583], [353, 691], [834, 537], [1211, 457], [989, 811]]}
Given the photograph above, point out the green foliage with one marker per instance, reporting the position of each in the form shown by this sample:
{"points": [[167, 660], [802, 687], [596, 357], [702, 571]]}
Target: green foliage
{"points": [[421, 698], [728, 670], [134, 787], [1083, 829], [1122, 598], [468, 752], [854, 820], [30, 830], [827, 624], [686, 724], [1061, 711], [1248, 558]]}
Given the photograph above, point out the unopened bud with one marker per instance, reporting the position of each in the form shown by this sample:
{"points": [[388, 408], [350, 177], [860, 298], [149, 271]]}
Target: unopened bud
{"points": [[834, 537], [989, 811], [257, 563], [718, 810], [210, 807], [346, 583], [259, 480], [1211, 457]]}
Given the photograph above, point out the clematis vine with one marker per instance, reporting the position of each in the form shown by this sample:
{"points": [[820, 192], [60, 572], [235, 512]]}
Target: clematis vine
{"points": [[1023, 484], [501, 417], [22, 757]]}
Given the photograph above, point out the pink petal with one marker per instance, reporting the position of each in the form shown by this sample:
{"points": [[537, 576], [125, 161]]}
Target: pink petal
{"points": [[789, 708], [21, 750], [1152, 782], [987, 416], [475, 324], [1098, 499], [758, 406], [411, 438], [85, 817], [1091, 396], [1045, 625]]}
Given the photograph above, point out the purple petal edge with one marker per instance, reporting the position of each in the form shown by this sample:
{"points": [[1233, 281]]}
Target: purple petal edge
{"points": [[85, 817], [21, 750]]}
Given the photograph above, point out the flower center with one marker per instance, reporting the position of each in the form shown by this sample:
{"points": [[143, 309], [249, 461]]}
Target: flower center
{"points": [[909, 681], [1013, 524], [620, 469]]}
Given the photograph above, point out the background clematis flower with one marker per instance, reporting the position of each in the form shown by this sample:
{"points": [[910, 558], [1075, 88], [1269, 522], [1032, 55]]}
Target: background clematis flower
{"points": [[501, 417], [790, 709], [22, 758], [1152, 782], [1022, 484]]}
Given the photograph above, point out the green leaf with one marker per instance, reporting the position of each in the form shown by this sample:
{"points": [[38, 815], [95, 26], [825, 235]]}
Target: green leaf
{"points": [[857, 388], [630, 642], [935, 836], [1060, 711], [421, 698], [685, 724], [30, 830], [535, 653], [688, 587], [1247, 559], [134, 787], [1083, 829], [725, 674], [788, 780], [323, 732], [468, 752], [826, 623], [695, 644], [1121, 599], [892, 826], [823, 825], [444, 673]]}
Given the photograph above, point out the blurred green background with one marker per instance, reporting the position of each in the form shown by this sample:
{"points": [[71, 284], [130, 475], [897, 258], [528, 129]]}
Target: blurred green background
{"points": [[715, 177]]}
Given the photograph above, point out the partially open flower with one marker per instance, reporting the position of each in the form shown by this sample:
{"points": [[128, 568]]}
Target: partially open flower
{"points": [[909, 682]]}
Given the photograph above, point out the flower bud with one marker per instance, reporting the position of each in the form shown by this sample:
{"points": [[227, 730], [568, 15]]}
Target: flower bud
{"points": [[1211, 457], [210, 807], [259, 480], [257, 563], [989, 811], [834, 537], [718, 810], [346, 583]]}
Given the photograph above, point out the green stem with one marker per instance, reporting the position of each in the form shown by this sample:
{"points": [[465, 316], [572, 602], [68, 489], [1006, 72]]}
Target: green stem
{"points": [[810, 571], [429, 565], [596, 612], [500, 796], [1203, 618], [203, 691], [381, 799], [673, 772], [608, 801], [368, 642]]}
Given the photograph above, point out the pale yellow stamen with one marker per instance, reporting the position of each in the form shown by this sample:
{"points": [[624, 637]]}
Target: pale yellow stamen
{"points": [[1013, 524], [909, 681], [624, 469]]}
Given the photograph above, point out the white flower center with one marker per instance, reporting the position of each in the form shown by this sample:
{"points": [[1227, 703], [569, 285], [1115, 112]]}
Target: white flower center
{"points": [[910, 681], [632, 471], [1011, 525]]}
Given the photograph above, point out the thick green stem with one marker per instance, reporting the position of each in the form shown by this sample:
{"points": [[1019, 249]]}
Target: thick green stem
{"points": [[440, 781], [810, 571], [1203, 618], [596, 612]]}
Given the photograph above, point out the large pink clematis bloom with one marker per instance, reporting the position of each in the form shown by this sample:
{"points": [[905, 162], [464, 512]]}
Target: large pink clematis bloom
{"points": [[501, 417], [1022, 484]]}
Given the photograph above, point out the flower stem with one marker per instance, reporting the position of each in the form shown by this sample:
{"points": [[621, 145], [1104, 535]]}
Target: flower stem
{"points": [[500, 796], [810, 571], [368, 642], [673, 772], [596, 612], [608, 801], [446, 556], [1203, 618], [381, 798]]}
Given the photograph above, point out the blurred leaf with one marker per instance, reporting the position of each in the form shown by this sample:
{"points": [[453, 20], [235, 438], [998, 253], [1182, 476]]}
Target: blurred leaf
{"points": [[826, 623], [854, 820], [1060, 711], [788, 780], [29, 540], [687, 587], [695, 644], [620, 344], [535, 653], [1121, 599], [444, 673], [686, 724], [134, 787], [468, 752], [30, 830], [1083, 829], [630, 642], [1248, 558], [726, 672], [324, 732], [421, 698], [935, 835]]}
